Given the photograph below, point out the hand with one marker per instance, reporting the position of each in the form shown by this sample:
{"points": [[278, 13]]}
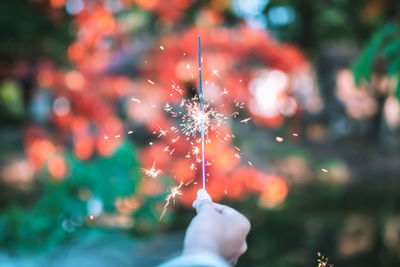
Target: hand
{"points": [[216, 228]]}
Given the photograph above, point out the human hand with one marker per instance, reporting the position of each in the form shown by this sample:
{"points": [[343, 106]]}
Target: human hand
{"points": [[216, 228]]}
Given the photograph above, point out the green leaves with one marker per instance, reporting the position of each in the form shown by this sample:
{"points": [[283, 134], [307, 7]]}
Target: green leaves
{"points": [[61, 210], [11, 100], [384, 45]]}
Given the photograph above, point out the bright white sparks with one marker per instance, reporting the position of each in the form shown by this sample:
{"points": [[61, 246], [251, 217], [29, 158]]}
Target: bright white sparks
{"points": [[152, 172], [135, 100], [215, 72], [192, 120], [174, 193], [245, 120]]}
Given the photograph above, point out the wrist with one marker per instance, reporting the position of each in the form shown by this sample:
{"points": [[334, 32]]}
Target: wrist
{"points": [[201, 249]]}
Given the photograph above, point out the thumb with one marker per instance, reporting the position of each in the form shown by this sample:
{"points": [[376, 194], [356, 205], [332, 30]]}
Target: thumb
{"points": [[203, 201]]}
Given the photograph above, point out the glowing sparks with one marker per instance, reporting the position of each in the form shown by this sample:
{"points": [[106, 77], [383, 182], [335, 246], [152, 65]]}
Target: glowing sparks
{"points": [[322, 261], [130, 132], [195, 150], [279, 139], [238, 104], [245, 120], [194, 117], [234, 114], [215, 72], [174, 193], [177, 88], [324, 170], [174, 140], [161, 47], [150, 81], [295, 134], [135, 100], [161, 132], [152, 172]]}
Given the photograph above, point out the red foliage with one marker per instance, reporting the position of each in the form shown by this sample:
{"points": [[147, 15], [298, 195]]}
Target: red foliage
{"points": [[232, 58]]}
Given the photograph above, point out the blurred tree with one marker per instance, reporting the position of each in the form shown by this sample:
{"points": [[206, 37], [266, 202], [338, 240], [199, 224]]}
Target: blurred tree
{"points": [[29, 31], [312, 23], [378, 66]]}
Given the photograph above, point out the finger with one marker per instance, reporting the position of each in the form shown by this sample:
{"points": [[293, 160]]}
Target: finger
{"points": [[202, 194], [204, 205], [202, 198], [203, 201]]}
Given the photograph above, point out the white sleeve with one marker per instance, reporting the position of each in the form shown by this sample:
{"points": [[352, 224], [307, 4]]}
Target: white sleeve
{"points": [[196, 259]]}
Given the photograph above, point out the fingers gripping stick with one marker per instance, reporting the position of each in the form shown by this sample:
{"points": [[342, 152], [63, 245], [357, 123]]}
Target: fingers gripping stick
{"points": [[203, 199]]}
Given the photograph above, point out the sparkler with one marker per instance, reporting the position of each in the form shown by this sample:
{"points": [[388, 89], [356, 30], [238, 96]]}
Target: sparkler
{"points": [[198, 116], [202, 117]]}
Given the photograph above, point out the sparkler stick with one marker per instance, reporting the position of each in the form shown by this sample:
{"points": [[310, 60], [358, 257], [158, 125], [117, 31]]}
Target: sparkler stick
{"points": [[202, 118]]}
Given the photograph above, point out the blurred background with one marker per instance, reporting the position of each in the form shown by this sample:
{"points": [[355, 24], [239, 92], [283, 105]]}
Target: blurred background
{"points": [[309, 151]]}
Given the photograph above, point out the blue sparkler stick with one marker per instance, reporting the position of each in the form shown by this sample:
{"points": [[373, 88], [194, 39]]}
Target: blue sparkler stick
{"points": [[202, 119]]}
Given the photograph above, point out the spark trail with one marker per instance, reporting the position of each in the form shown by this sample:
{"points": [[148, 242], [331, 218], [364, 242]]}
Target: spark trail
{"points": [[174, 193]]}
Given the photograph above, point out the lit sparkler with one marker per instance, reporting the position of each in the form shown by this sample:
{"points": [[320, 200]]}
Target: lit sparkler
{"points": [[200, 119]]}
